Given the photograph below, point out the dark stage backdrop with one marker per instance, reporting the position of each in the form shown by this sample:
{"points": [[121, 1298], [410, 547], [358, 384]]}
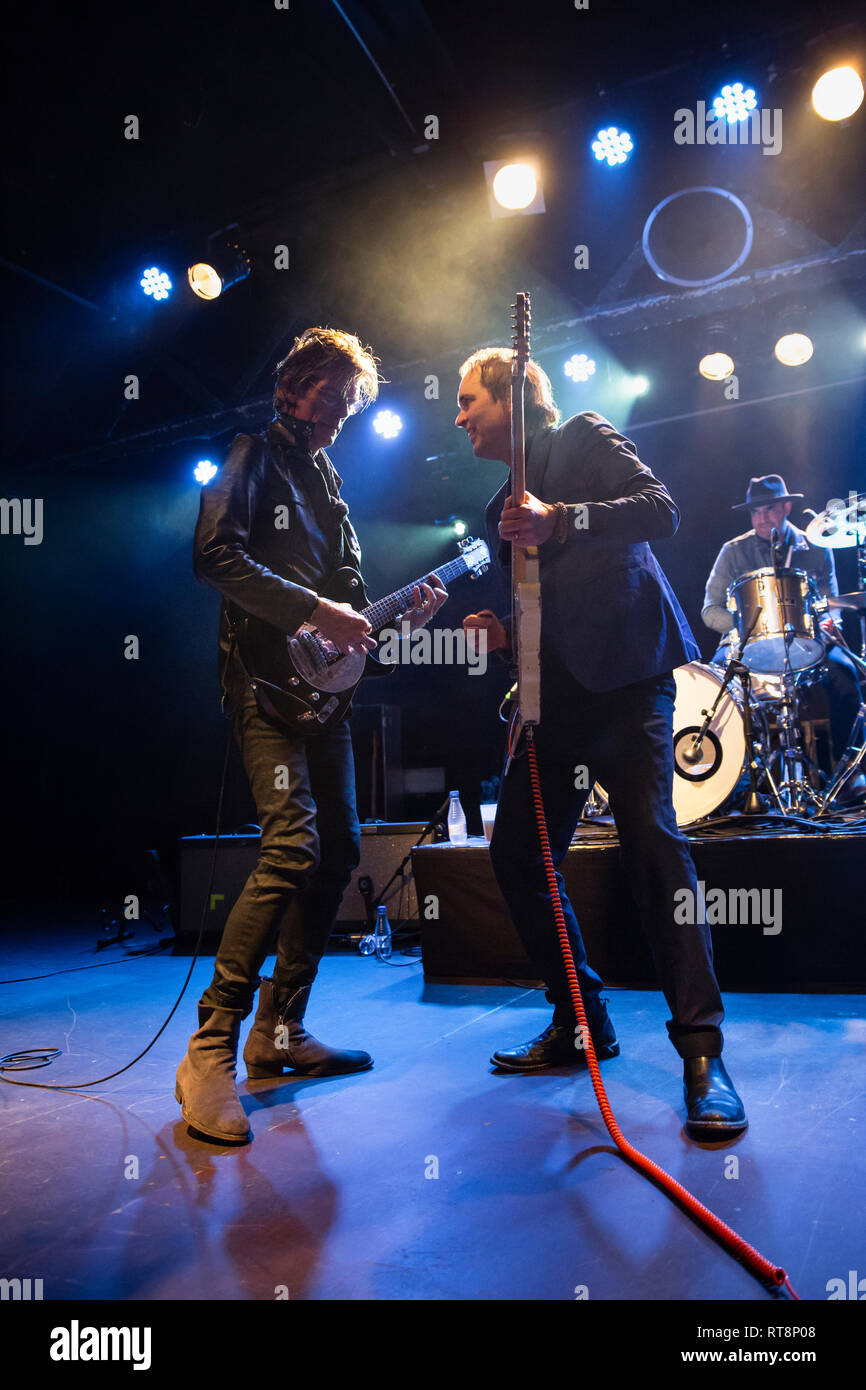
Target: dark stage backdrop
{"points": [[110, 757]]}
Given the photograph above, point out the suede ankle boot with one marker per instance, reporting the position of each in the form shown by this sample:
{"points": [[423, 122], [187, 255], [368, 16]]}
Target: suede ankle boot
{"points": [[278, 1039], [205, 1086]]}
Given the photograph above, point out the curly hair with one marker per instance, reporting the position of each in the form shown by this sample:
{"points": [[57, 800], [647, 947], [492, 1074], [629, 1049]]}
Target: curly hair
{"points": [[320, 352], [494, 364]]}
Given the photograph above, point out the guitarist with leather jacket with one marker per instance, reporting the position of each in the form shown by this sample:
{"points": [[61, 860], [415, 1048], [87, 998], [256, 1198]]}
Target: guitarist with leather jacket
{"points": [[271, 531], [612, 632]]}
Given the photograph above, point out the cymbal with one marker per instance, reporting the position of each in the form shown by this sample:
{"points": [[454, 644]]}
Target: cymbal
{"points": [[835, 530], [847, 601]]}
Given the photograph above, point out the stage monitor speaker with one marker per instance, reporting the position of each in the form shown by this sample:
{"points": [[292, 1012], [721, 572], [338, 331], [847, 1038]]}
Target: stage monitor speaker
{"points": [[383, 846]]}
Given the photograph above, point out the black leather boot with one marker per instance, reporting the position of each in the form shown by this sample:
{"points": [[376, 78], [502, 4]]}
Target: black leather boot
{"points": [[205, 1083], [278, 1039], [558, 1046], [714, 1109]]}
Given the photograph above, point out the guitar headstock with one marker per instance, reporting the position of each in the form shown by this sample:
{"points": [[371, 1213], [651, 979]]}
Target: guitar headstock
{"points": [[475, 554], [521, 315]]}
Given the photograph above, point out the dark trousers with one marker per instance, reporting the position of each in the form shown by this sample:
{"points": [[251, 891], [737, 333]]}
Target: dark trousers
{"points": [[304, 791], [624, 739]]}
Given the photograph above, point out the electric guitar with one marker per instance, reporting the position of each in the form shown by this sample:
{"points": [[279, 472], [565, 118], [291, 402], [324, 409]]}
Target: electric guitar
{"points": [[525, 577], [302, 679]]}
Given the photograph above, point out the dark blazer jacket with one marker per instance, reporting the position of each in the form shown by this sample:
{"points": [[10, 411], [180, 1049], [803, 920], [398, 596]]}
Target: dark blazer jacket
{"points": [[607, 610]]}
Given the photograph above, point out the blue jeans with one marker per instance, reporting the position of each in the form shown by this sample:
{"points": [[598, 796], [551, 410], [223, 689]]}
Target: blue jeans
{"points": [[624, 738], [304, 790]]}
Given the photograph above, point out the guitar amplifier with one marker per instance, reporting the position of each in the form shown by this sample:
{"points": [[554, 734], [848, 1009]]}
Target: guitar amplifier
{"points": [[383, 846]]}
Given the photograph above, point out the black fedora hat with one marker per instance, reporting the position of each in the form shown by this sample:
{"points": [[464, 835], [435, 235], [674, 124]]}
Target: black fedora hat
{"points": [[763, 492]]}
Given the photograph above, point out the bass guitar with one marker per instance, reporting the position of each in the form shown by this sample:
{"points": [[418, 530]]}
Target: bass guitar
{"points": [[302, 679]]}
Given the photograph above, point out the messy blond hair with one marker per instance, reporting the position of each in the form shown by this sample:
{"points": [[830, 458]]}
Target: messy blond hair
{"points": [[320, 352], [494, 364]]}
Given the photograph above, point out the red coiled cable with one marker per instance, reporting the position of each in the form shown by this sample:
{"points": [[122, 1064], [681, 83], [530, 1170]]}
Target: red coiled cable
{"points": [[739, 1247]]}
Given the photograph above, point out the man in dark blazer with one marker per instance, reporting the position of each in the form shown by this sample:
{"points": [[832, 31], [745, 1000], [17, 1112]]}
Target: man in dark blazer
{"points": [[612, 633]]}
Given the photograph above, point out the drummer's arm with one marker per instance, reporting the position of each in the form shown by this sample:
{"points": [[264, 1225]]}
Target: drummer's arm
{"points": [[715, 612]]}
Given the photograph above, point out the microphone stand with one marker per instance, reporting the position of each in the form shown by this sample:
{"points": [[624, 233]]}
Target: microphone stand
{"points": [[365, 883]]}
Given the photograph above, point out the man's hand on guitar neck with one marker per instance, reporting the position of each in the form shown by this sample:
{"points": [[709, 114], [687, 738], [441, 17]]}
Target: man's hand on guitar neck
{"points": [[531, 524], [426, 600], [340, 624]]}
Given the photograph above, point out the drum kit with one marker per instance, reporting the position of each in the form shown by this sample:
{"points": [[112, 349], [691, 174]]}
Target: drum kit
{"points": [[738, 740]]}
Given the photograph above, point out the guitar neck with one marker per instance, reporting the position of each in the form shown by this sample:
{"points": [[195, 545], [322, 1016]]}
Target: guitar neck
{"points": [[385, 610]]}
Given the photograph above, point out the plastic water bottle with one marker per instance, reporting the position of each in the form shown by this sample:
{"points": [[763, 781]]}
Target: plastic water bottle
{"points": [[456, 821], [383, 934]]}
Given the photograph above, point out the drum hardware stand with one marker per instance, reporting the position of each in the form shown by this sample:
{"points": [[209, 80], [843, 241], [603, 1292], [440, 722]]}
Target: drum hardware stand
{"points": [[797, 795], [853, 758]]}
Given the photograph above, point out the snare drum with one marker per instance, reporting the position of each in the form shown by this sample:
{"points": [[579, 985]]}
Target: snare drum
{"points": [[786, 601], [702, 787]]}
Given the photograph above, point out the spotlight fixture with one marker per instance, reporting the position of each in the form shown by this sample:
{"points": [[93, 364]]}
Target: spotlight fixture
{"points": [[735, 102], [514, 187], [204, 471], [458, 527], [155, 283], [838, 93], [793, 349], [579, 367], [635, 385], [716, 366], [717, 363], [613, 145], [387, 424], [225, 265]]}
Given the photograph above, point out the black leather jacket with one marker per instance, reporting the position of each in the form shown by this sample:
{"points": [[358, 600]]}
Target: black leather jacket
{"points": [[271, 530]]}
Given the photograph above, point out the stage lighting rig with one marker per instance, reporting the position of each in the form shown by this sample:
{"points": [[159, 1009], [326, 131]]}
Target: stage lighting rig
{"points": [[514, 187], [838, 93], [224, 265], [612, 145], [156, 283], [735, 102], [579, 367]]}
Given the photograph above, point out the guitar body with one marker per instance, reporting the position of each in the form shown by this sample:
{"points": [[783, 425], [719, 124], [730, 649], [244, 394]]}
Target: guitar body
{"points": [[300, 679]]}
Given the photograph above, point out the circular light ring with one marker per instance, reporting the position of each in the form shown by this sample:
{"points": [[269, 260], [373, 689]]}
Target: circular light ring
{"points": [[716, 366], [837, 94], [710, 279], [205, 281], [793, 349], [515, 186]]}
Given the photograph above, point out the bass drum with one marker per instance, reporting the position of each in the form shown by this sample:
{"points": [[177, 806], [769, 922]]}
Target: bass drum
{"points": [[702, 787]]}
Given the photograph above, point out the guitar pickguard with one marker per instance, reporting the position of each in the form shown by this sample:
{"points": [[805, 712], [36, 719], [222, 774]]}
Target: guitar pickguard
{"points": [[317, 661]]}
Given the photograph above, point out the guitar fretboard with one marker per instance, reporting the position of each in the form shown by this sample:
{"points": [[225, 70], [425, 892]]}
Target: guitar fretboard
{"points": [[384, 610]]}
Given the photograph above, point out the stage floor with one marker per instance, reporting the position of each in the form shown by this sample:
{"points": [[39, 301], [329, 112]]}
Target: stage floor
{"points": [[331, 1201]]}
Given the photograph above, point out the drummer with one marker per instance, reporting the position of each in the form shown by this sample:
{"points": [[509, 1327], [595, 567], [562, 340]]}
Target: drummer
{"points": [[768, 503]]}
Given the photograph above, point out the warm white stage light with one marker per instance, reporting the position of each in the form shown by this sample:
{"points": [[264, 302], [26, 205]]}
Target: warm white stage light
{"points": [[716, 366], [793, 349], [204, 281], [515, 186], [837, 93]]}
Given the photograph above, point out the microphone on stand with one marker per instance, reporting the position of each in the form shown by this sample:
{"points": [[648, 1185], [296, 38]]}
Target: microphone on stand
{"points": [[694, 754]]}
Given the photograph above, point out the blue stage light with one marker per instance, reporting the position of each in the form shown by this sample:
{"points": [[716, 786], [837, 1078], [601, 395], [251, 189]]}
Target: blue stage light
{"points": [[613, 145], [387, 424], [580, 367], [735, 102], [155, 282], [204, 471]]}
